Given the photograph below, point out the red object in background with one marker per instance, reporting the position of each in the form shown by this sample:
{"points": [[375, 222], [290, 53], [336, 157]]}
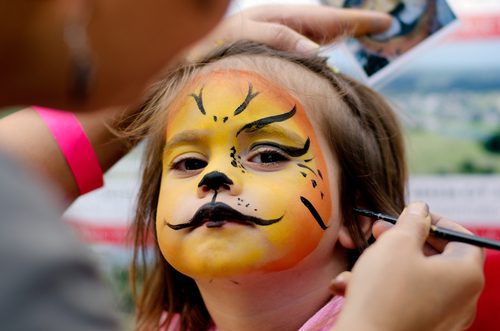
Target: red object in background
{"points": [[488, 309], [476, 27], [95, 234]]}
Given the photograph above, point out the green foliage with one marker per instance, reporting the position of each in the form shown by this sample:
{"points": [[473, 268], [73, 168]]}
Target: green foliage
{"points": [[492, 143], [432, 153], [119, 281], [471, 167]]}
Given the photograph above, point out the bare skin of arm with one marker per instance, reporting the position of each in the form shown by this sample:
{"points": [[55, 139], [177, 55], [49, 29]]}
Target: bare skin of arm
{"points": [[24, 135]]}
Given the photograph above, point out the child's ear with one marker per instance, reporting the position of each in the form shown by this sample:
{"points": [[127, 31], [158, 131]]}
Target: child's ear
{"points": [[345, 237]]}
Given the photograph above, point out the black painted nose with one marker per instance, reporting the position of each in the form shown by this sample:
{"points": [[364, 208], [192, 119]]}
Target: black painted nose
{"points": [[215, 180]]}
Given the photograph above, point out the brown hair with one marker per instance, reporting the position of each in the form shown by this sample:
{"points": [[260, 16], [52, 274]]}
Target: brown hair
{"points": [[363, 134]]}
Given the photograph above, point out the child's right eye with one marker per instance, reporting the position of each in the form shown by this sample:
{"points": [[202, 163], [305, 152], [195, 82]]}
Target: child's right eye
{"points": [[189, 164]]}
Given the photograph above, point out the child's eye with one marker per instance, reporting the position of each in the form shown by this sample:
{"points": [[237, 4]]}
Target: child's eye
{"points": [[189, 164], [268, 157]]}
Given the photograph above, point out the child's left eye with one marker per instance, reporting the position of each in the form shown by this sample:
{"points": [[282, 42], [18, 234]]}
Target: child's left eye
{"points": [[268, 157]]}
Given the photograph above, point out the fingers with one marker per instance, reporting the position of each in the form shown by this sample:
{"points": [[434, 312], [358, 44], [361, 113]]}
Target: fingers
{"points": [[380, 227], [291, 28], [339, 285], [454, 249], [434, 245], [414, 219], [466, 260], [440, 244], [278, 36], [322, 23], [244, 26]]}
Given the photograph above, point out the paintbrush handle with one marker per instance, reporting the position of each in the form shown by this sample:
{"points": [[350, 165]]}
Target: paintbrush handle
{"points": [[439, 232], [453, 235]]}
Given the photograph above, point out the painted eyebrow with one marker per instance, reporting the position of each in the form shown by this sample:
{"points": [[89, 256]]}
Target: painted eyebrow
{"points": [[185, 137], [277, 131], [265, 121]]}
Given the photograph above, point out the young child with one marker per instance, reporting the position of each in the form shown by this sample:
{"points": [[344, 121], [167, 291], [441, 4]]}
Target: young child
{"points": [[255, 161]]}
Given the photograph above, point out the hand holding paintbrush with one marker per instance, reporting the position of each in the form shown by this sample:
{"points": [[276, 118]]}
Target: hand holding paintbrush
{"points": [[437, 231], [400, 286]]}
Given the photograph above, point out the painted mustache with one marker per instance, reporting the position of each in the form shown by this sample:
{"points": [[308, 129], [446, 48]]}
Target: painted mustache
{"points": [[216, 214]]}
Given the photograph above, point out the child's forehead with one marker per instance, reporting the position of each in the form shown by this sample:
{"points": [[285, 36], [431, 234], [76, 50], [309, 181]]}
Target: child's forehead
{"points": [[228, 82], [238, 81], [233, 95], [228, 89], [311, 89]]}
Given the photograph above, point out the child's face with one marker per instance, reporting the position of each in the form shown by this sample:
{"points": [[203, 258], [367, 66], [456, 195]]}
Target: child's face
{"points": [[245, 184]]}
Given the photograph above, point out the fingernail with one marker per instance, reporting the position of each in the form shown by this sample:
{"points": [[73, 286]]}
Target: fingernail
{"points": [[338, 282], [306, 46], [381, 21], [338, 285], [418, 208], [339, 279]]}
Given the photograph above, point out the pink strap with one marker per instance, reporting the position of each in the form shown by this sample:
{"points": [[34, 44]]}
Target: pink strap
{"points": [[75, 146]]}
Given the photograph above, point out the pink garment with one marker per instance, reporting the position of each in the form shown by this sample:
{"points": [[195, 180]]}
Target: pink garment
{"points": [[175, 325], [323, 320]]}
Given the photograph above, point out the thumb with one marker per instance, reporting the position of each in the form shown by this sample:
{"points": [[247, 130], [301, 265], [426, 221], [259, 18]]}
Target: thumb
{"points": [[415, 221]]}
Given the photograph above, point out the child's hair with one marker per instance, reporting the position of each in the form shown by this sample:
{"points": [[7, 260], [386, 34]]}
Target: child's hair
{"points": [[362, 132]]}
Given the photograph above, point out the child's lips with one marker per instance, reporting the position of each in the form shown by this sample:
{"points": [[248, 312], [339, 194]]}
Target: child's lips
{"points": [[217, 222]]}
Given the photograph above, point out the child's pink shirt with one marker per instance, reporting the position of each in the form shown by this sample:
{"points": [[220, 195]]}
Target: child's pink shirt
{"points": [[323, 320]]}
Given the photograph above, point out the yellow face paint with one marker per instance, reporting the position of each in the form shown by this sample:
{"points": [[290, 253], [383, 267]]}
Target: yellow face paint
{"points": [[244, 185]]}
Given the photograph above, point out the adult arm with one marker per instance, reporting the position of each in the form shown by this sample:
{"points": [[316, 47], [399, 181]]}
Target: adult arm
{"points": [[24, 135], [398, 285]]}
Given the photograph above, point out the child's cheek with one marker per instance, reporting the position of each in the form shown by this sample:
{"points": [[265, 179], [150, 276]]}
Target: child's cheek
{"points": [[303, 225]]}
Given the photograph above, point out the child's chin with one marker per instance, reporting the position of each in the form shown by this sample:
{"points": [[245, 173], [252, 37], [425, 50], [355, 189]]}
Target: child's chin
{"points": [[223, 263], [218, 272]]}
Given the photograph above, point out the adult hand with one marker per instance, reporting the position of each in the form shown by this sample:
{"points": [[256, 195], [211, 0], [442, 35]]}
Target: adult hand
{"points": [[396, 286], [297, 28]]}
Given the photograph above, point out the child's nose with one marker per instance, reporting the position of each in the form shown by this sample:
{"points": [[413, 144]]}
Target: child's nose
{"points": [[216, 181]]}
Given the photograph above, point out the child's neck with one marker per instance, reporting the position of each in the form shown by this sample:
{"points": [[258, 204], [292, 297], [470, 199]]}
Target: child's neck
{"points": [[280, 301]]}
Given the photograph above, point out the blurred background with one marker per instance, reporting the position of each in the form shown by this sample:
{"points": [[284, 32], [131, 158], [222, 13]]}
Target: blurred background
{"points": [[448, 98]]}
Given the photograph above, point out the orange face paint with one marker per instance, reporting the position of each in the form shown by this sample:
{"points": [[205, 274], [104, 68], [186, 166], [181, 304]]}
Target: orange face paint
{"points": [[244, 186]]}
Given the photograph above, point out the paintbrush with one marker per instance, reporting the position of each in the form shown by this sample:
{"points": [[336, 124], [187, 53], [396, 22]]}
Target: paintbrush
{"points": [[439, 232]]}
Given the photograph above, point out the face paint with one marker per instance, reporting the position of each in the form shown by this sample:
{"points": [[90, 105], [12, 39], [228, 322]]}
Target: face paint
{"points": [[244, 185]]}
